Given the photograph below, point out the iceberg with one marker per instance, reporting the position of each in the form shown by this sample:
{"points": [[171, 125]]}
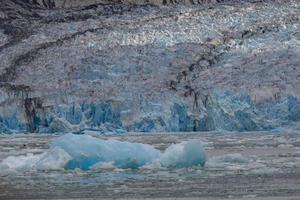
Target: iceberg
{"points": [[86, 152]]}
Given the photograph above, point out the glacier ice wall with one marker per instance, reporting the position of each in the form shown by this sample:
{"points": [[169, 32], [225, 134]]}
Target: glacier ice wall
{"points": [[119, 68], [227, 111]]}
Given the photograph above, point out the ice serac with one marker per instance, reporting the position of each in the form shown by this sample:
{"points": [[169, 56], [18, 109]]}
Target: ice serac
{"points": [[113, 66]]}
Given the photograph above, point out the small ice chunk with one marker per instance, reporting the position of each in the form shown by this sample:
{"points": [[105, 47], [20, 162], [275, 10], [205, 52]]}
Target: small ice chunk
{"points": [[185, 154], [19, 162], [54, 158], [104, 165], [265, 170], [226, 160], [154, 165]]}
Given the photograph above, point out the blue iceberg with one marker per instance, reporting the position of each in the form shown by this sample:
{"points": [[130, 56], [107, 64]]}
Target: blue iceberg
{"points": [[86, 152]]}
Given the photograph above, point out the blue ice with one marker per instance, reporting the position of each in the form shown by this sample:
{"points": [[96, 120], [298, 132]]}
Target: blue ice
{"points": [[86, 152]]}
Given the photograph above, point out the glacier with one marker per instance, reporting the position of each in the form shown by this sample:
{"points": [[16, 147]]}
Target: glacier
{"points": [[146, 68], [222, 110], [85, 152]]}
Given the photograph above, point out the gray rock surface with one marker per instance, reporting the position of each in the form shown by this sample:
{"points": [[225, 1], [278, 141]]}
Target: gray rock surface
{"points": [[116, 67]]}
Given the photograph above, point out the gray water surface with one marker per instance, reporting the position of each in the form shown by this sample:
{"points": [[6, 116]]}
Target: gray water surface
{"points": [[257, 165]]}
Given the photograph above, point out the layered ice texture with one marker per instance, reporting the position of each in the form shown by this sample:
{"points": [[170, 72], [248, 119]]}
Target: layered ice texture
{"points": [[86, 152], [151, 69]]}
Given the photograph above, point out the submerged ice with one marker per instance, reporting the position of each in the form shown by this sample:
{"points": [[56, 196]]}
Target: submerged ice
{"points": [[86, 152]]}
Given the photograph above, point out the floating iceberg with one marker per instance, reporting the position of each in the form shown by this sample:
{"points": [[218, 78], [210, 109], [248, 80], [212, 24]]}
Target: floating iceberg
{"points": [[86, 152]]}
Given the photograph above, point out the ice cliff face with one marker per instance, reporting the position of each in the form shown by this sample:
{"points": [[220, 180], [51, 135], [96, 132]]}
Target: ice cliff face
{"points": [[114, 66]]}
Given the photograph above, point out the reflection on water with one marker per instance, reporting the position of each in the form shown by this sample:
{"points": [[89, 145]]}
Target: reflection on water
{"points": [[239, 165]]}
